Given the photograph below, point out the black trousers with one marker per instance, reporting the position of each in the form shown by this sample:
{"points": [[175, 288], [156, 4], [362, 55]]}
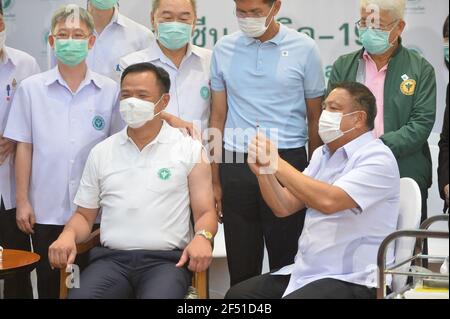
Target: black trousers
{"points": [[249, 222], [47, 279], [273, 287], [19, 286], [118, 274]]}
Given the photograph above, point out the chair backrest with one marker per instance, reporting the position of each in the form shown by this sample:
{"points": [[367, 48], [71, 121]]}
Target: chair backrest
{"points": [[409, 219]]}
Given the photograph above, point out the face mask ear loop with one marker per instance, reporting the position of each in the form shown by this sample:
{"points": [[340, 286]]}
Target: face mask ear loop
{"points": [[349, 115], [157, 104]]}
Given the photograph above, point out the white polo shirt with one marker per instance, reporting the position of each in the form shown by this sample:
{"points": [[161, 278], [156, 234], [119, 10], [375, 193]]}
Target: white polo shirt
{"points": [[63, 127], [15, 66], [190, 90], [120, 37], [344, 245], [144, 195]]}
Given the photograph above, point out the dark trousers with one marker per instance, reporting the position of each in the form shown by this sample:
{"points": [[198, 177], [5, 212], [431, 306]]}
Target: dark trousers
{"points": [[424, 193], [117, 274], [47, 279], [18, 286], [273, 287], [249, 222]]}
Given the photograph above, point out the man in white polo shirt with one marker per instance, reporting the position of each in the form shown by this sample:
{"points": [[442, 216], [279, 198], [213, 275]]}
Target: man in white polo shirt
{"points": [[351, 190], [15, 66], [117, 36], [188, 65], [56, 118], [145, 179]]}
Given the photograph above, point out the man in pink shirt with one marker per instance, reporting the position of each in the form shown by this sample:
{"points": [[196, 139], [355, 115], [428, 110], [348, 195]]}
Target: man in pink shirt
{"points": [[375, 80]]}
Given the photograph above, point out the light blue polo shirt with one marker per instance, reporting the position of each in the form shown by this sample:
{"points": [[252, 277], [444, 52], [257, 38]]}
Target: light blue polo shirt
{"points": [[267, 83]]}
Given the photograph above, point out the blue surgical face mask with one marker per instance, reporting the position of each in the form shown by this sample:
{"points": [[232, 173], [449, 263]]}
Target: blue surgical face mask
{"points": [[104, 4], [446, 51], [174, 35], [375, 41]]}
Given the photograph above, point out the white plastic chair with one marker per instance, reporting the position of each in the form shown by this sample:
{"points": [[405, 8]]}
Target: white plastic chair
{"points": [[409, 219]]}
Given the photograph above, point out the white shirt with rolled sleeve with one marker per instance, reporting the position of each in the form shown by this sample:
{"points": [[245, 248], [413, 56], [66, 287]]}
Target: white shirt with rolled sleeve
{"points": [[15, 66], [344, 245], [120, 37], [144, 195], [190, 90], [63, 127]]}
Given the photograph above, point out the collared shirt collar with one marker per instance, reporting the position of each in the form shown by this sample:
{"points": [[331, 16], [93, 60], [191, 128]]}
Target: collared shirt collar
{"points": [[5, 57], [55, 76], [351, 147], [154, 52], [165, 136], [366, 57], [119, 18], [275, 40]]}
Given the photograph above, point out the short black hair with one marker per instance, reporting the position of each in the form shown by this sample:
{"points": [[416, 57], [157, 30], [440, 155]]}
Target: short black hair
{"points": [[363, 98], [162, 76], [446, 30], [1, 7], [269, 2]]}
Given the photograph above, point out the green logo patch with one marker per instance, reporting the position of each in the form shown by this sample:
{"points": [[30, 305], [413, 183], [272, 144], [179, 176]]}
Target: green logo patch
{"points": [[205, 93], [98, 123], [164, 174]]}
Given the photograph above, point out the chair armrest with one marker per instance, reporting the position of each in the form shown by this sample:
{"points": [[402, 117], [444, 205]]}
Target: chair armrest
{"points": [[200, 283], [92, 241]]}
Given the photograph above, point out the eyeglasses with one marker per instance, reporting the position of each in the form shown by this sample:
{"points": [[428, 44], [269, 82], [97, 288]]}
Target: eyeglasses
{"points": [[62, 35], [362, 24]]}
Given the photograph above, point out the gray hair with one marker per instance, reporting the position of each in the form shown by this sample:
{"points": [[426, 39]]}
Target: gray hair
{"points": [[396, 8], [156, 4], [73, 14]]}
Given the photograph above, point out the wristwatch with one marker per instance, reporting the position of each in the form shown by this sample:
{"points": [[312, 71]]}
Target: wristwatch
{"points": [[206, 234]]}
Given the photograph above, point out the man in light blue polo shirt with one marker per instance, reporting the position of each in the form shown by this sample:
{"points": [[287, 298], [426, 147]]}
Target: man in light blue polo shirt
{"points": [[271, 77]]}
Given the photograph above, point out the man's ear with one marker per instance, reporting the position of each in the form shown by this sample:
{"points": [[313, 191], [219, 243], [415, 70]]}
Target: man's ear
{"points": [[194, 26], [165, 100], [92, 40], [51, 41], [362, 120], [277, 7], [152, 21]]}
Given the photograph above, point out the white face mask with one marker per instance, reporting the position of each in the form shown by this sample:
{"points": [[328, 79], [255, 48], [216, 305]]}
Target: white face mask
{"points": [[136, 113], [254, 27], [2, 39], [330, 126]]}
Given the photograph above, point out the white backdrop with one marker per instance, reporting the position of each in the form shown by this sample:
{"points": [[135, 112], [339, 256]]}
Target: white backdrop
{"points": [[330, 22]]}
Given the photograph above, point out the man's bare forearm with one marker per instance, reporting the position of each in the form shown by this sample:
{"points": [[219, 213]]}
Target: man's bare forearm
{"points": [[79, 227], [278, 198], [23, 163], [207, 221]]}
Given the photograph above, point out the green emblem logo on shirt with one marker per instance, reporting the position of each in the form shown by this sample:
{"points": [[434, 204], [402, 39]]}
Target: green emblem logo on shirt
{"points": [[205, 93], [164, 174], [98, 123]]}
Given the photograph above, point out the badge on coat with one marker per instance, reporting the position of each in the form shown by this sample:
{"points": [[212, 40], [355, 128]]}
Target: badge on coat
{"points": [[98, 123], [205, 93], [164, 174], [408, 86]]}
